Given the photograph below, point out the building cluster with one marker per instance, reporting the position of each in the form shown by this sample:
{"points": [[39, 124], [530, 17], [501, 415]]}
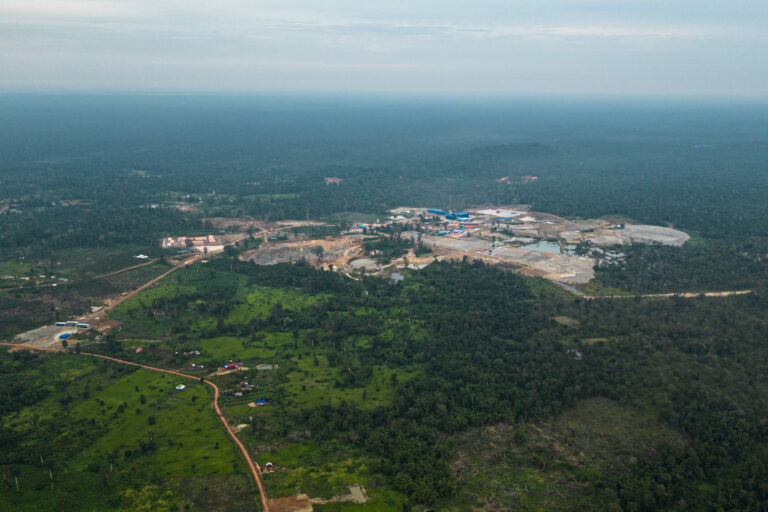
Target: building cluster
{"points": [[188, 241], [206, 243], [74, 323], [8, 209], [458, 224], [525, 179]]}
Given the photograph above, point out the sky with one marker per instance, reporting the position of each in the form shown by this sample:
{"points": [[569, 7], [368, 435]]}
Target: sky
{"points": [[474, 47]]}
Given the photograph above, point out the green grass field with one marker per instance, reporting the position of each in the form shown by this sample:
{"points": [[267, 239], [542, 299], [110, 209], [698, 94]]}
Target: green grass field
{"points": [[324, 470], [188, 437], [310, 374], [258, 300], [310, 385], [113, 438]]}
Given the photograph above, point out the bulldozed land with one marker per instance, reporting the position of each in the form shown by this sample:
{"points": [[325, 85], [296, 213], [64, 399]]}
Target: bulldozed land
{"points": [[245, 223], [46, 336], [556, 267]]}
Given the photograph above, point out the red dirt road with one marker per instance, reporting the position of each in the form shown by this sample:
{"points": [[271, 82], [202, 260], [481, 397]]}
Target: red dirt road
{"points": [[146, 285], [252, 465]]}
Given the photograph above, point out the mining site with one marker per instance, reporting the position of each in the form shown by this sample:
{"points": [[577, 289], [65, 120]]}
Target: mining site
{"points": [[532, 243]]}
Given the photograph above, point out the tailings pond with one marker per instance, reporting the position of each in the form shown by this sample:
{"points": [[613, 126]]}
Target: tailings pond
{"points": [[543, 246]]}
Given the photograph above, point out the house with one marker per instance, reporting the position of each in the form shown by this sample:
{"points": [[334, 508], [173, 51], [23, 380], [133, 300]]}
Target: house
{"points": [[181, 387], [230, 366]]}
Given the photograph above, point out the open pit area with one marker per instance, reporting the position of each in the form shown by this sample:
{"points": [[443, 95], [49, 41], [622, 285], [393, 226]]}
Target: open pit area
{"points": [[295, 250], [532, 243]]}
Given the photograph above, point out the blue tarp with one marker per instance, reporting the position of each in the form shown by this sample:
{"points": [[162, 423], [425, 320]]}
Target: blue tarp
{"points": [[65, 336]]}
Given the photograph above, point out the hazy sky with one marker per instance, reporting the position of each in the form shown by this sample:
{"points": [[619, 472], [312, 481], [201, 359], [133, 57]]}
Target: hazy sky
{"points": [[475, 46]]}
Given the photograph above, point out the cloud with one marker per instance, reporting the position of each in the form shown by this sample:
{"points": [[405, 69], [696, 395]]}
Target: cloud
{"points": [[488, 44]]}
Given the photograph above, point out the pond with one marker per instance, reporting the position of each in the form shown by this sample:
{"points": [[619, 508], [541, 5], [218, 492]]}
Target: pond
{"points": [[543, 246]]}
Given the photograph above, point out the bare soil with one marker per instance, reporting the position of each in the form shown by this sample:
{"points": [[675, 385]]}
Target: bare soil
{"points": [[298, 503]]}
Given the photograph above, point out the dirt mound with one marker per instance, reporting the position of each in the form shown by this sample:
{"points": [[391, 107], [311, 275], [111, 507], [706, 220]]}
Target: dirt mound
{"points": [[298, 503]]}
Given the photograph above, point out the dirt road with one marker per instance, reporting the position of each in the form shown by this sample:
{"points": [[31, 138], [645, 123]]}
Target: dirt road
{"points": [[252, 465], [146, 285], [102, 276], [684, 295]]}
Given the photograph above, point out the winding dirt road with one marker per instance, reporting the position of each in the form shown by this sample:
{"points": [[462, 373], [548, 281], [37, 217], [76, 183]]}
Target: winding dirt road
{"points": [[253, 466]]}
